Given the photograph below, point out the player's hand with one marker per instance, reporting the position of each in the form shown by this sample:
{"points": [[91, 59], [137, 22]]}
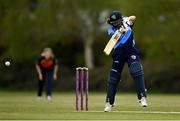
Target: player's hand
{"points": [[40, 77], [122, 30], [132, 18], [55, 77]]}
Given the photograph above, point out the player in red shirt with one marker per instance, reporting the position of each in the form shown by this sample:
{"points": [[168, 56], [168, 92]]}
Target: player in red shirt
{"points": [[47, 69]]}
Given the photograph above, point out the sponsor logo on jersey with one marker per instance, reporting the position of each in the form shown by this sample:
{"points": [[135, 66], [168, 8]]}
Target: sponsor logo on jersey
{"points": [[133, 57]]}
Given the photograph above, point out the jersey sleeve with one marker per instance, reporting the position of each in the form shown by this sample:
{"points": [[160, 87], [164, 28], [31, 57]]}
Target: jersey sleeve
{"points": [[55, 61], [110, 31], [124, 38], [38, 60]]}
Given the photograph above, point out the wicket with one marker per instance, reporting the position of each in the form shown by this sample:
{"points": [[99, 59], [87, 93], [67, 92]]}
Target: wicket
{"points": [[82, 75]]}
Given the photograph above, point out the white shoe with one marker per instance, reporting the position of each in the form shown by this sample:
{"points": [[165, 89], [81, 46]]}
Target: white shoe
{"points": [[107, 107], [143, 102], [49, 98]]}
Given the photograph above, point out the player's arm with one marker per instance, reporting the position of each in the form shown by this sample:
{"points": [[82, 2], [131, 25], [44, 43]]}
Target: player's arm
{"points": [[56, 67], [38, 69], [125, 38], [110, 31]]}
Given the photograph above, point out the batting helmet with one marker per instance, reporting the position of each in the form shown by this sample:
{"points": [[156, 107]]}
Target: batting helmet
{"points": [[115, 19]]}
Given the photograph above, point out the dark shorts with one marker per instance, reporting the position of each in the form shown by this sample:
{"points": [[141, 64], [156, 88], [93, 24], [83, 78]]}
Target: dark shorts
{"points": [[121, 56]]}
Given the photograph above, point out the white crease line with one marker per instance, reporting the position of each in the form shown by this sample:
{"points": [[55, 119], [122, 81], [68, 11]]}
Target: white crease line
{"points": [[152, 112]]}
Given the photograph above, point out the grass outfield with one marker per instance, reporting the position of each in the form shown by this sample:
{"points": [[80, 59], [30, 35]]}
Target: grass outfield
{"points": [[21, 105]]}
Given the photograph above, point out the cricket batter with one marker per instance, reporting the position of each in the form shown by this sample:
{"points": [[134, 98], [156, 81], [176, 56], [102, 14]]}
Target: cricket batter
{"points": [[124, 52], [47, 69]]}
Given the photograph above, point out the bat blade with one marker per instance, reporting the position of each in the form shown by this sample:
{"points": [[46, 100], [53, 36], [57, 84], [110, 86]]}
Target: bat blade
{"points": [[112, 42]]}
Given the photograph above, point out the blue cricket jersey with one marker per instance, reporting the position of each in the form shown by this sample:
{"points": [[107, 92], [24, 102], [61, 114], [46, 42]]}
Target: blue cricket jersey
{"points": [[126, 40]]}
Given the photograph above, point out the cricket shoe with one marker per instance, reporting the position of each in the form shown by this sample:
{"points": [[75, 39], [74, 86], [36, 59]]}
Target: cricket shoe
{"points": [[143, 102], [49, 98], [107, 107]]}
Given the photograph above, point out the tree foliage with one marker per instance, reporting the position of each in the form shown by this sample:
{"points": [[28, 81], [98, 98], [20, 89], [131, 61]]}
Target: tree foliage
{"points": [[75, 30]]}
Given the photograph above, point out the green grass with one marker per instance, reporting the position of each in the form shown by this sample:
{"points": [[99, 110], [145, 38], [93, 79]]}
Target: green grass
{"points": [[24, 105]]}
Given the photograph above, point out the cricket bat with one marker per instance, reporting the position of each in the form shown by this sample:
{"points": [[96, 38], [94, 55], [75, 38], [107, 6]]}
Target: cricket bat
{"points": [[112, 42]]}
